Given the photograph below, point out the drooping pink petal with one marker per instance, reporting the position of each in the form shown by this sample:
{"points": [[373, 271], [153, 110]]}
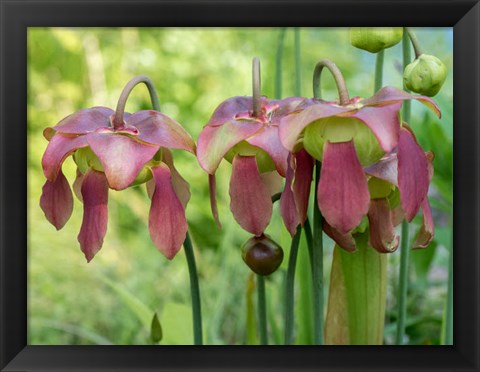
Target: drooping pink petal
{"points": [[181, 187], [389, 95], [158, 129], [427, 229], [273, 181], [343, 196], [212, 185], [95, 213], [227, 110], [412, 174], [121, 156], [251, 203], [77, 185], [215, 141], [291, 126], [383, 121], [167, 221], [386, 169], [397, 215], [345, 241], [57, 201], [267, 139], [382, 231], [85, 121], [288, 208], [302, 182], [58, 149]]}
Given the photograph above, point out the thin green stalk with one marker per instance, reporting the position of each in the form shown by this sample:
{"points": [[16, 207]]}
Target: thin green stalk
{"points": [[406, 60], [290, 287], [414, 41], [278, 63], [118, 118], [403, 283], [308, 235], [195, 291], [448, 326], [298, 64], [262, 310], [379, 71], [404, 239], [317, 265]]}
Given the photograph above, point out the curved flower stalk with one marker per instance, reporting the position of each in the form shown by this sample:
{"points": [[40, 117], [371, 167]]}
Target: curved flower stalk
{"points": [[244, 131], [348, 136], [116, 150]]}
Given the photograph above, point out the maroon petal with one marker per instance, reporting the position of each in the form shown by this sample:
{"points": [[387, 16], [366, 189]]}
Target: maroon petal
{"points": [[383, 121], [167, 222], [389, 95], [268, 140], [215, 141], [57, 201], [212, 185], [412, 174], [251, 203], [95, 213], [382, 231], [291, 126], [273, 181], [158, 129], [302, 182], [345, 241], [385, 169], [58, 149], [288, 207], [181, 187], [121, 156], [77, 185], [343, 196], [427, 230], [85, 121], [227, 110]]}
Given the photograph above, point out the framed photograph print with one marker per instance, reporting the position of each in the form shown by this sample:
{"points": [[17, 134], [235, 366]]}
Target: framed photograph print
{"points": [[208, 185]]}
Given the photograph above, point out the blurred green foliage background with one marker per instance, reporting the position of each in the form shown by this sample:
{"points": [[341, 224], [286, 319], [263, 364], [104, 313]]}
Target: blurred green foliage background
{"points": [[112, 299]]}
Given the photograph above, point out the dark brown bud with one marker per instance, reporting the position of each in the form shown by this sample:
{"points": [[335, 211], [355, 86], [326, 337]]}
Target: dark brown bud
{"points": [[262, 255]]}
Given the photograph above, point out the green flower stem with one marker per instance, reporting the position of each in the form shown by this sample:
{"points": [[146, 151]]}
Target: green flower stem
{"points": [[414, 41], [298, 64], [317, 265], [262, 310], [379, 71], [278, 63], [118, 118], [308, 235], [337, 75], [448, 321], [257, 104], [290, 287], [404, 239], [195, 291], [187, 244]]}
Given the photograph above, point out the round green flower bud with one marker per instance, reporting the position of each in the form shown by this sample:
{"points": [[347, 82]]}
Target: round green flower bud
{"points": [[375, 39], [264, 161], [425, 75], [262, 255], [339, 129]]}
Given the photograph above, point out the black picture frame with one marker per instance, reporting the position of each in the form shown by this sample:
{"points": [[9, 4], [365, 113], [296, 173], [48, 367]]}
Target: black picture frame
{"points": [[17, 16]]}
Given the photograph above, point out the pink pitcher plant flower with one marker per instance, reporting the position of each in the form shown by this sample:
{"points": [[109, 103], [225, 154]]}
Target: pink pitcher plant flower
{"points": [[116, 150], [244, 131], [349, 135]]}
